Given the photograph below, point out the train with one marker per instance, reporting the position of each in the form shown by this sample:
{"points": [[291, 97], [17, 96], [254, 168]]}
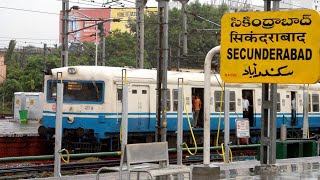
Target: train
{"points": [[92, 106]]}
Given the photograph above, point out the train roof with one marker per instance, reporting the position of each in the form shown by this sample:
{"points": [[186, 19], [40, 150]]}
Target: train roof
{"points": [[115, 73], [94, 72]]}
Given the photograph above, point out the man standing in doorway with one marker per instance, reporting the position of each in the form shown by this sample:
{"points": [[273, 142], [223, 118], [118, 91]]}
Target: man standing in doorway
{"points": [[293, 111], [245, 107], [197, 106]]}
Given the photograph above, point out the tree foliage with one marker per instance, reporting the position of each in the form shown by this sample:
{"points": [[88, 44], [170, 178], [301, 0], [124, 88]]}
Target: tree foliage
{"points": [[200, 39], [9, 53]]}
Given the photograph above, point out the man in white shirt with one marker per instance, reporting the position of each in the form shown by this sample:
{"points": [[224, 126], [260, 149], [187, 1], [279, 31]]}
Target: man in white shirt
{"points": [[293, 111], [245, 107]]}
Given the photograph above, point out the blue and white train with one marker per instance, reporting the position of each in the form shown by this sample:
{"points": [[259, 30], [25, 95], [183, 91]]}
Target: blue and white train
{"points": [[93, 104]]}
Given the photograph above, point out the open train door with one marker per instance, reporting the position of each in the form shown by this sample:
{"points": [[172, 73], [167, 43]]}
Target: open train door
{"points": [[291, 101], [249, 94], [200, 93]]}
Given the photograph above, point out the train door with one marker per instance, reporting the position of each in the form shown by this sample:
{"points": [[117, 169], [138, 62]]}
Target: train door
{"points": [[248, 109], [200, 93], [139, 103]]}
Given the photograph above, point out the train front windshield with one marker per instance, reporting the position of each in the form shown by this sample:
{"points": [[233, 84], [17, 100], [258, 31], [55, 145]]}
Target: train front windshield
{"points": [[77, 91]]}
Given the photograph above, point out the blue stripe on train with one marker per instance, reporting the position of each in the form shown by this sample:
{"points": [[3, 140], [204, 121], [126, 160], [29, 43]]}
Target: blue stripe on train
{"points": [[111, 125]]}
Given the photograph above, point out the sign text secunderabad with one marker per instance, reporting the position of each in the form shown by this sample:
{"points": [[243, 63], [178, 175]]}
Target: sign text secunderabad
{"points": [[271, 47]]}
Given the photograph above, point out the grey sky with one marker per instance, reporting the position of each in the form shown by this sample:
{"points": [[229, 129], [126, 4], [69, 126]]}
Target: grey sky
{"points": [[34, 28]]}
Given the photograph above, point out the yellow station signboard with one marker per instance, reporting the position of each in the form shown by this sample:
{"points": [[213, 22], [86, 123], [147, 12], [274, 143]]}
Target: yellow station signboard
{"points": [[271, 47]]}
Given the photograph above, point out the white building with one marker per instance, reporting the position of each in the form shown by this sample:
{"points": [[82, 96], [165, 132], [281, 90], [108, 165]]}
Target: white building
{"points": [[300, 4]]}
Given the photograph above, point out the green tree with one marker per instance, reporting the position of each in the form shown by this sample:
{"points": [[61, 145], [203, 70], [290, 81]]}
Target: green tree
{"points": [[8, 87], [120, 49], [199, 41], [9, 53]]}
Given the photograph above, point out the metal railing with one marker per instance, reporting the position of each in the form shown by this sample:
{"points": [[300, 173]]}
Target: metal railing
{"points": [[293, 130]]}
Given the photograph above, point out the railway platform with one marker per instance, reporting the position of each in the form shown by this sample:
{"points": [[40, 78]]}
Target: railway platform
{"points": [[20, 139], [294, 168], [14, 128]]}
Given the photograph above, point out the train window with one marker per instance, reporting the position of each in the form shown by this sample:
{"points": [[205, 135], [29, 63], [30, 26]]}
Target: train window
{"points": [[77, 91], [278, 103], [83, 91], [144, 91], [315, 102], [52, 91], [232, 101], [134, 91], [168, 100], [309, 107], [175, 100], [119, 93], [217, 101]]}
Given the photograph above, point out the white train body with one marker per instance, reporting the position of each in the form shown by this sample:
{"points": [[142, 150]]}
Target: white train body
{"points": [[100, 117]]}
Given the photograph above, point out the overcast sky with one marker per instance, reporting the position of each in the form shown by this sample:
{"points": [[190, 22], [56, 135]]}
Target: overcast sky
{"points": [[34, 27]]}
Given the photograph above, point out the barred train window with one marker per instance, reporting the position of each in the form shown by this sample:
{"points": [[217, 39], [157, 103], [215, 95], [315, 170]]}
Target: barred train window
{"points": [[278, 103], [168, 100], [119, 92], [74, 91], [309, 107], [217, 102], [315, 102], [175, 100]]}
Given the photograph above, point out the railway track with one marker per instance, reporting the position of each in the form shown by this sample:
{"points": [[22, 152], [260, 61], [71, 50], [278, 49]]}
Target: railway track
{"points": [[76, 168], [41, 171]]}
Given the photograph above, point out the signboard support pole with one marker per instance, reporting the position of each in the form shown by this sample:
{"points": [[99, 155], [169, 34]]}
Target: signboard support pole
{"points": [[268, 125], [226, 124], [58, 129], [305, 114]]}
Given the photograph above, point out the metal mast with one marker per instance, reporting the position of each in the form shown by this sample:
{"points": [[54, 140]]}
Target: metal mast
{"points": [[140, 4], [65, 17]]}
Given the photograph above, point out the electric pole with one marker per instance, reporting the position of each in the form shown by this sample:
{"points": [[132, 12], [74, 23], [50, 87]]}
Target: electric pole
{"points": [[163, 14], [65, 29], [185, 26], [44, 66], [103, 43], [140, 4]]}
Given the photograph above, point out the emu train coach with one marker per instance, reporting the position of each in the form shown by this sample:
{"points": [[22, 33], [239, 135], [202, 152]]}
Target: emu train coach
{"points": [[92, 105]]}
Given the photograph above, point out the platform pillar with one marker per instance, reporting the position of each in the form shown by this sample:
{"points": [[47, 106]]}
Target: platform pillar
{"points": [[58, 129]]}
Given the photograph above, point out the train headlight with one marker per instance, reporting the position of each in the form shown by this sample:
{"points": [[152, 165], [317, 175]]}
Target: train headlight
{"points": [[72, 70]]}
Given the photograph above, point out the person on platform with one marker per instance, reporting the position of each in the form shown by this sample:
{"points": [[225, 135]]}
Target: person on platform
{"points": [[293, 111], [196, 106], [245, 107]]}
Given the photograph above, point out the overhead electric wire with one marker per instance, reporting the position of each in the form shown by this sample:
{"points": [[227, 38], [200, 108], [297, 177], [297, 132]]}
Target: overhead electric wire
{"points": [[3, 37], [293, 5], [29, 10], [96, 5]]}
